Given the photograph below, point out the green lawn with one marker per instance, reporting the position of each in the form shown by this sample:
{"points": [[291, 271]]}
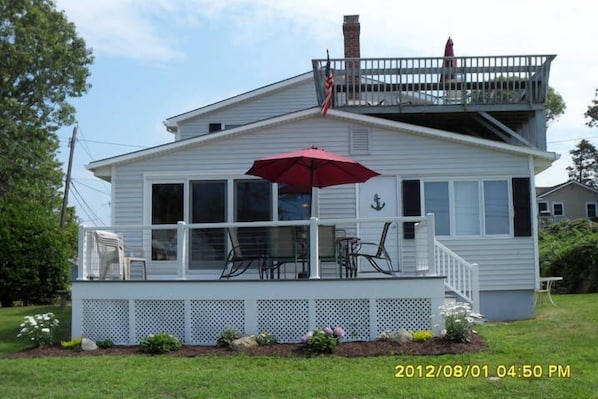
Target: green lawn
{"points": [[565, 337]]}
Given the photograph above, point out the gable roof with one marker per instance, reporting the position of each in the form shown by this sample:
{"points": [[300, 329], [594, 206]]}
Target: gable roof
{"points": [[542, 192], [172, 123], [102, 167]]}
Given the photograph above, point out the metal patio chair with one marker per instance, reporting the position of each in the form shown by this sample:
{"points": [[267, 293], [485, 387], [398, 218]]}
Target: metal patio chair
{"points": [[241, 256], [375, 253]]}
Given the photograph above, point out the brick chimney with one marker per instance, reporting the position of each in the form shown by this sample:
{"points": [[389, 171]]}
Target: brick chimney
{"points": [[351, 34], [352, 50]]}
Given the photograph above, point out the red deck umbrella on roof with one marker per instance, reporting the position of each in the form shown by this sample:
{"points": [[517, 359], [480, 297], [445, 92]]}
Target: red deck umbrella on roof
{"points": [[449, 61], [311, 167]]}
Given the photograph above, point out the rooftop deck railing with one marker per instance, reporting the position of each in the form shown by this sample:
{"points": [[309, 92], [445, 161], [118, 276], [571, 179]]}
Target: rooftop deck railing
{"points": [[399, 82]]}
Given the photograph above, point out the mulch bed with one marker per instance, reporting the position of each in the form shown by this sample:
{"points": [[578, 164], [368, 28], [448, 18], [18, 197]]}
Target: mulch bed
{"points": [[434, 346]]}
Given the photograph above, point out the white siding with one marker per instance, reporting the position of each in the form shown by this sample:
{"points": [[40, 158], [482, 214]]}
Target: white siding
{"points": [[289, 99], [506, 263]]}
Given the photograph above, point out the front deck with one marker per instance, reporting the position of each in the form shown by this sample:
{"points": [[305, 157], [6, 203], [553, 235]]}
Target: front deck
{"points": [[197, 307]]}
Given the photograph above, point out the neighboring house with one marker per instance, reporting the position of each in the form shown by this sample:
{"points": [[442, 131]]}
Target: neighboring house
{"points": [[566, 201], [470, 164]]}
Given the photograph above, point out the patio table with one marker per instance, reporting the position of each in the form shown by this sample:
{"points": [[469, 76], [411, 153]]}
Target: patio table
{"points": [[546, 287]]}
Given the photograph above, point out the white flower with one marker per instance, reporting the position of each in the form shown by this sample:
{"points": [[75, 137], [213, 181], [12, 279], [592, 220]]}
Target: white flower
{"points": [[46, 330]]}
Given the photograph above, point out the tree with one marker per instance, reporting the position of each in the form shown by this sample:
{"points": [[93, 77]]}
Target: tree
{"points": [[585, 164], [555, 106], [592, 112], [43, 65]]}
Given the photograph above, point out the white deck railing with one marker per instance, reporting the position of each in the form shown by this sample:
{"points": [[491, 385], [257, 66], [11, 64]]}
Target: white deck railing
{"points": [[462, 277]]}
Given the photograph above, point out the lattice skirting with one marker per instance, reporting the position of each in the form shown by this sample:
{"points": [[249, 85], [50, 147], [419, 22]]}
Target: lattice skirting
{"points": [[200, 322]]}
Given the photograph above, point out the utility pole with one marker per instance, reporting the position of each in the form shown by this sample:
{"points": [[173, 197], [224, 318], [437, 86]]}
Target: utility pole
{"points": [[67, 183]]}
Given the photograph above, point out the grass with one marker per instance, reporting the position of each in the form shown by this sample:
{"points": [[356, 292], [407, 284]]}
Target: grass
{"points": [[564, 336]]}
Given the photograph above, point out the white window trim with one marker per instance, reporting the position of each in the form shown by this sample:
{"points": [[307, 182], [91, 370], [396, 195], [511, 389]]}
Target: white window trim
{"points": [[562, 204], [547, 207]]}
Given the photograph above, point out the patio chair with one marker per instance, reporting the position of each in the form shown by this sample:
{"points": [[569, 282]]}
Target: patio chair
{"points": [[282, 250], [110, 261], [135, 264], [241, 257], [375, 253]]}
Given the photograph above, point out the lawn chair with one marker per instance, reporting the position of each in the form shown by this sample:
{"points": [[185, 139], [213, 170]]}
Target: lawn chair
{"points": [[241, 257], [375, 253]]}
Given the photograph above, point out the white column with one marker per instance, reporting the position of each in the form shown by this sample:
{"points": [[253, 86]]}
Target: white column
{"points": [[314, 250], [181, 251], [431, 243]]}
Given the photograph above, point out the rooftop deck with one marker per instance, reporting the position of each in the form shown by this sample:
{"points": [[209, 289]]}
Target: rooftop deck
{"points": [[422, 84], [497, 97]]}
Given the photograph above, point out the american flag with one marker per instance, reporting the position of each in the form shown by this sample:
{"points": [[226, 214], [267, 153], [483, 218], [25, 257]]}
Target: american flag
{"points": [[328, 85]]}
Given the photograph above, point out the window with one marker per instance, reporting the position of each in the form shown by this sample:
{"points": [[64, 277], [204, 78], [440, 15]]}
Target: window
{"points": [[543, 208], [558, 209], [496, 207], [590, 209], [209, 201], [469, 207], [167, 208], [207, 205], [294, 203], [436, 201]]}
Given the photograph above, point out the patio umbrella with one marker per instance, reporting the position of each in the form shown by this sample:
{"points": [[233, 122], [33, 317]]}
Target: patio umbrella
{"points": [[449, 61], [311, 167]]}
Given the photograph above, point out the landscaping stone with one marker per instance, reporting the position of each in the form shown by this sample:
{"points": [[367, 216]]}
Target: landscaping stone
{"points": [[244, 342], [88, 345]]}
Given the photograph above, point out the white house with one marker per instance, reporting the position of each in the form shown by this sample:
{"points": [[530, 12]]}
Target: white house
{"points": [[475, 175]]}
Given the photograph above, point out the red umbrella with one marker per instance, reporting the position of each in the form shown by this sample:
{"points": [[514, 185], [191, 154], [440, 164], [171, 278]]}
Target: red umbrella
{"points": [[312, 167], [449, 61]]}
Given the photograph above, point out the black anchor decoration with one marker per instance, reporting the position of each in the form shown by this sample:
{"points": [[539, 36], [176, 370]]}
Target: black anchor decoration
{"points": [[378, 206]]}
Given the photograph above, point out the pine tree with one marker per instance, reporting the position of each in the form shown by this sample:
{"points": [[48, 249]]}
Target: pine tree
{"points": [[585, 164]]}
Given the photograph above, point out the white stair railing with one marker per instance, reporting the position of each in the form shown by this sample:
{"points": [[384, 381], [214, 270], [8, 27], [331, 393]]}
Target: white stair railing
{"points": [[462, 277]]}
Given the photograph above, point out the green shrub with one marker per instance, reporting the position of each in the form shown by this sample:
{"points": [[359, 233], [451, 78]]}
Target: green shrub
{"points": [[323, 340], [39, 329], [72, 344], [570, 250], [265, 338], [459, 320], [227, 336], [105, 344], [160, 343]]}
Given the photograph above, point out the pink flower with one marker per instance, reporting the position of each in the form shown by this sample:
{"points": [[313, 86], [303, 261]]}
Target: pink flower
{"points": [[328, 331], [339, 332]]}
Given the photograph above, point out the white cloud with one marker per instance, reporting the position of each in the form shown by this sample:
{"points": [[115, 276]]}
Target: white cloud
{"points": [[122, 28]]}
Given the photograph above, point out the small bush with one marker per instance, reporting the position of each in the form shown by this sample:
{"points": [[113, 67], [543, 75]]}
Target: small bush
{"points": [[39, 329], [265, 339], [72, 344], [420, 336], [105, 344], [160, 343], [323, 340], [459, 320], [227, 336]]}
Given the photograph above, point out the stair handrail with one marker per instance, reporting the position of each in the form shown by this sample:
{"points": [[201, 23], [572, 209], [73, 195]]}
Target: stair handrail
{"points": [[462, 277]]}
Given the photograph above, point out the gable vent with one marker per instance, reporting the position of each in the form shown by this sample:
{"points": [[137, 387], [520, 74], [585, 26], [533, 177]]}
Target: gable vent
{"points": [[360, 141]]}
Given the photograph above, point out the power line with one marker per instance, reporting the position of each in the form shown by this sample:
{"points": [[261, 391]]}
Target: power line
{"points": [[90, 187], [579, 138], [112, 143], [89, 208]]}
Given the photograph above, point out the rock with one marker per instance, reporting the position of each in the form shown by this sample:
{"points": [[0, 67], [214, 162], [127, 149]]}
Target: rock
{"points": [[403, 336], [88, 345], [244, 342]]}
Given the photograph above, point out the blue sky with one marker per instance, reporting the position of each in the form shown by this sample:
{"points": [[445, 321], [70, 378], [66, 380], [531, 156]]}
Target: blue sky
{"points": [[158, 58]]}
